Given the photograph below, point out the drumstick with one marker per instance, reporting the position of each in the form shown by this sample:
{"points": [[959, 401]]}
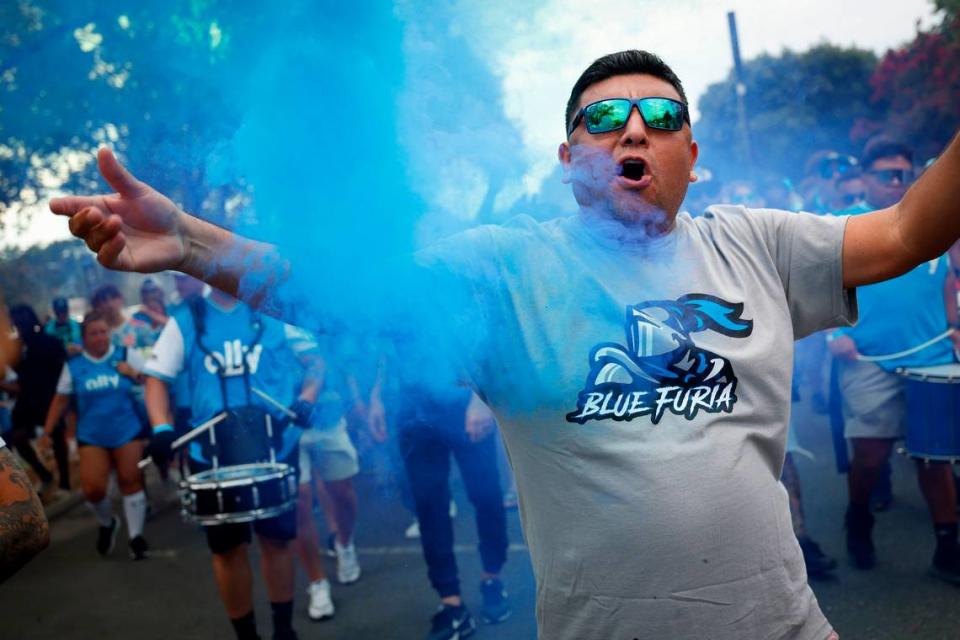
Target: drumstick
{"points": [[188, 436], [283, 409]]}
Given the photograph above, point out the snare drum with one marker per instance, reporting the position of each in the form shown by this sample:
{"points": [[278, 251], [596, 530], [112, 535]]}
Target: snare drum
{"points": [[239, 493], [933, 412], [244, 481]]}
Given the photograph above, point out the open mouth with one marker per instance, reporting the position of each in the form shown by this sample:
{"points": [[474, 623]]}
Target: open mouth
{"points": [[633, 170]]}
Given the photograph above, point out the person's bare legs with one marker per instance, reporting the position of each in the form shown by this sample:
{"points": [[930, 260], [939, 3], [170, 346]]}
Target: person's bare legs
{"points": [[234, 579], [94, 473], [937, 485], [869, 455], [276, 565], [130, 480], [308, 538], [343, 502], [326, 503]]}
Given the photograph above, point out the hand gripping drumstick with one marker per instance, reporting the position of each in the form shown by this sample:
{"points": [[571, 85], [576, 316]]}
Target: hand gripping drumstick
{"points": [[187, 437], [280, 407]]}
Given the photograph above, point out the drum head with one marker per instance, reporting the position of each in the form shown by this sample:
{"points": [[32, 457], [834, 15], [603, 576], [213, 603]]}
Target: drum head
{"points": [[240, 473], [943, 373]]}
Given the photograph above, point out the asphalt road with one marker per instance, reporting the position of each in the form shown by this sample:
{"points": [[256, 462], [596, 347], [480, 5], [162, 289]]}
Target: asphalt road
{"points": [[70, 592]]}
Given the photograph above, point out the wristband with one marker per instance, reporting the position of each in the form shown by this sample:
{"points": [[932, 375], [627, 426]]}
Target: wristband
{"points": [[160, 428]]}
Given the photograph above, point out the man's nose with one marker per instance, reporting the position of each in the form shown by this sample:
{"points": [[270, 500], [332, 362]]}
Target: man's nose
{"points": [[635, 131]]}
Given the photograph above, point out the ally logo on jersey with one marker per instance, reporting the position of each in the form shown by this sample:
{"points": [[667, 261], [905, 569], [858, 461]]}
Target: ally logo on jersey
{"points": [[102, 382], [230, 362], [661, 369]]}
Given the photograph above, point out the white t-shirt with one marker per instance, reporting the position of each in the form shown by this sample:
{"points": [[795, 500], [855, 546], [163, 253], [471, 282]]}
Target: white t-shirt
{"points": [[643, 393]]}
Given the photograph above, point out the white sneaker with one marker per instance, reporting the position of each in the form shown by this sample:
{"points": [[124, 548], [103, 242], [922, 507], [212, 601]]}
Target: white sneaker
{"points": [[348, 569], [321, 605], [413, 531]]}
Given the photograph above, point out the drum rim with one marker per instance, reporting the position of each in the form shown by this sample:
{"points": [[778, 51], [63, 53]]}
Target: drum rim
{"points": [[241, 517], [921, 374], [277, 471]]}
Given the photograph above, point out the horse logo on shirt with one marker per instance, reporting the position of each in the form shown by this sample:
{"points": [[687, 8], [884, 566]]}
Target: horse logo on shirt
{"points": [[660, 368]]}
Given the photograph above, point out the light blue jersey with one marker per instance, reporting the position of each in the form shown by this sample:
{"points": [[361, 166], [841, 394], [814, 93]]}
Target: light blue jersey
{"points": [[902, 313], [105, 411], [214, 363]]}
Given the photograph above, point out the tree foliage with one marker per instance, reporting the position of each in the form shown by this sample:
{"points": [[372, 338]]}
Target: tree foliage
{"points": [[916, 88], [141, 76], [796, 103]]}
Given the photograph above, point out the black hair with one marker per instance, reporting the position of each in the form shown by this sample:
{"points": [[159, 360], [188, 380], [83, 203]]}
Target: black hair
{"points": [[620, 63], [884, 147], [25, 319], [104, 293], [90, 318]]}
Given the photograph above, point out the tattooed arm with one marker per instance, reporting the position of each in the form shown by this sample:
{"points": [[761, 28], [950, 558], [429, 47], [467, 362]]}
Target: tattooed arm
{"points": [[23, 526]]}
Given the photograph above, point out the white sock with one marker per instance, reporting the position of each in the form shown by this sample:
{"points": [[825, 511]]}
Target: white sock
{"points": [[135, 510], [103, 511]]}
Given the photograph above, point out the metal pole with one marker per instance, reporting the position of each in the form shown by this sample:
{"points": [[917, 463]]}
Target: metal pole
{"points": [[746, 148]]}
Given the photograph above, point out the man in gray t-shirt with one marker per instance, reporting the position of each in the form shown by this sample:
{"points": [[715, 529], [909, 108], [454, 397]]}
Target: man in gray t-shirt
{"points": [[638, 361]]}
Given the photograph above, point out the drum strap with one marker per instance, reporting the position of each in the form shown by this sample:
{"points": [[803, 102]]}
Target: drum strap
{"points": [[198, 313]]}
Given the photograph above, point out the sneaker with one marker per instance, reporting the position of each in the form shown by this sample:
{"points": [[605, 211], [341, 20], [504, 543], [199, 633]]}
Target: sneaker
{"points": [[860, 540], [348, 569], [451, 623], [818, 563], [321, 605], [413, 531], [139, 550], [496, 607], [107, 537]]}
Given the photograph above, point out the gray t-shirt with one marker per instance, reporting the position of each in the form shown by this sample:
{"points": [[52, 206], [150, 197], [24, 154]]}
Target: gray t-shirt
{"points": [[643, 391]]}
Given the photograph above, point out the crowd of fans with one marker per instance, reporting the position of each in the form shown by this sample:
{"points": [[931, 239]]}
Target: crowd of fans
{"points": [[43, 410]]}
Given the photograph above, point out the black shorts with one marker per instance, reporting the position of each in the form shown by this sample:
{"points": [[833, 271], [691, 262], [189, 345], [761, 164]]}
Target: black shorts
{"points": [[222, 538]]}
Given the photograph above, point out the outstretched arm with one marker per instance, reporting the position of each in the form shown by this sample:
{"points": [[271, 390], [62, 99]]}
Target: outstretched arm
{"points": [[139, 229], [886, 243], [24, 531]]}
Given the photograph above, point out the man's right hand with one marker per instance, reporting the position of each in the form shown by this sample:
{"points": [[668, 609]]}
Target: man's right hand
{"points": [[843, 348], [135, 229], [160, 447]]}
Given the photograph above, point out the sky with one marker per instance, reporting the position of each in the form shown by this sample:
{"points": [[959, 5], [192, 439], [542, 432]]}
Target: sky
{"points": [[502, 72]]}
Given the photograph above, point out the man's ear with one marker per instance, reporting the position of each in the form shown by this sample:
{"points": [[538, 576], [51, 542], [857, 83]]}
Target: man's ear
{"points": [[694, 154], [563, 155]]}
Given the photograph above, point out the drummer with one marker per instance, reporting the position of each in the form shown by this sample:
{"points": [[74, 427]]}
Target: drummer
{"points": [[101, 379], [267, 355], [895, 316]]}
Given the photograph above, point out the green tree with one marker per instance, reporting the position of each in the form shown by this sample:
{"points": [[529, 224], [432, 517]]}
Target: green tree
{"points": [[144, 77], [796, 103]]}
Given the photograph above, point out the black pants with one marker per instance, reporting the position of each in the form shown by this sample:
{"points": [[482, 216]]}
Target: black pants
{"points": [[430, 430]]}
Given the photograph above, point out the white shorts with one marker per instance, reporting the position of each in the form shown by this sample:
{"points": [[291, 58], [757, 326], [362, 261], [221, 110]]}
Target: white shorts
{"points": [[874, 403], [328, 453]]}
